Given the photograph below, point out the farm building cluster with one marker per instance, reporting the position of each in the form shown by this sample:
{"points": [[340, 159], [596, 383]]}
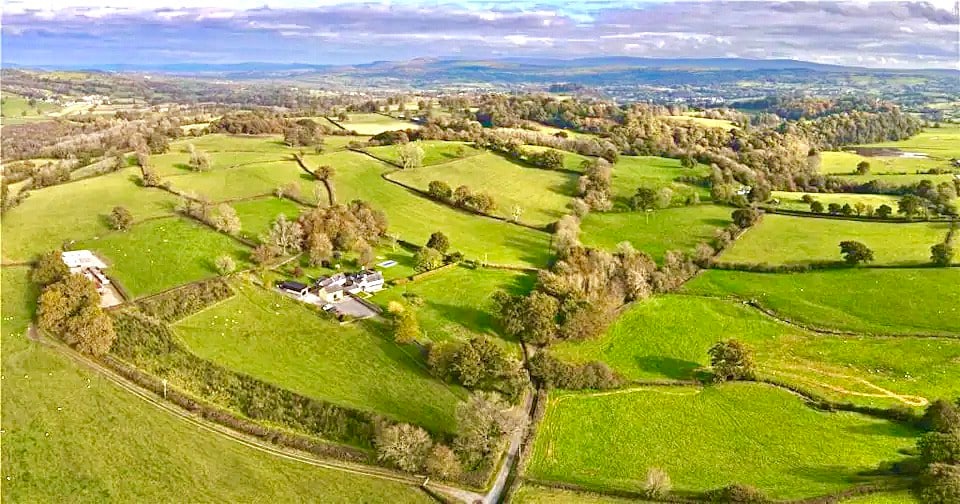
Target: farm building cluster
{"points": [[339, 292], [84, 262]]}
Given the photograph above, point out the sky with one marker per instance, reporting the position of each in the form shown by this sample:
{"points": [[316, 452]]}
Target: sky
{"points": [[90, 33]]}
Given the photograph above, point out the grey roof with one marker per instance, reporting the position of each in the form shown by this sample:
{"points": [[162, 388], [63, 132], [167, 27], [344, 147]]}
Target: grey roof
{"points": [[293, 285]]}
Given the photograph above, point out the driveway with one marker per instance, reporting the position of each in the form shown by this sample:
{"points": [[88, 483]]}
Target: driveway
{"points": [[354, 308]]}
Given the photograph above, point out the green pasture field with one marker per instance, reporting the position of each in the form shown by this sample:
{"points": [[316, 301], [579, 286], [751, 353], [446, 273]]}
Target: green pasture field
{"points": [[534, 494], [869, 300], [173, 164], [285, 342], [942, 143], [373, 124], [13, 108], [897, 180], [571, 160], [794, 200], [542, 194], [902, 497], [703, 121], [549, 130], [77, 211], [163, 253], [71, 434], [434, 152], [222, 142], [413, 217], [783, 239], [632, 172], [667, 337], [457, 303], [248, 181], [680, 228], [709, 438], [257, 216], [845, 163]]}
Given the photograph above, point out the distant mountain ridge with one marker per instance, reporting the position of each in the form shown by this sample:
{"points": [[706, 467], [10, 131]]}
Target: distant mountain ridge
{"points": [[509, 65]]}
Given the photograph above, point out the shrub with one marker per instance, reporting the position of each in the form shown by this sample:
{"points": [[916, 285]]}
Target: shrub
{"points": [[427, 259], [404, 446], [940, 447], [49, 269], [225, 265], [556, 373], [855, 252], [737, 494], [940, 484], [658, 483], [941, 416], [120, 218]]}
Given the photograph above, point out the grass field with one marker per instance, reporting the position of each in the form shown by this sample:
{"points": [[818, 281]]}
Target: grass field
{"points": [[794, 200], [667, 337], [257, 216], [655, 232], [942, 143], [457, 303], [160, 254], [884, 301], [76, 211], [373, 124], [247, 181], [709, 438], [16, 109], [782, 239], [845, 163], [703, 121], [903, 497], [414, 217], [897, 180], [349, 261], [70, 434], [632, 172], [175, 163], [542, 194], [282, 341], [434, 152]]}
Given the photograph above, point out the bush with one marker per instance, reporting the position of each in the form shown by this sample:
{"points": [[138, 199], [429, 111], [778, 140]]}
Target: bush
{"points": [[49, 269], [731, 360], [404, 446], [225, 265], [658, 483], [737, 494], [941, 416]]}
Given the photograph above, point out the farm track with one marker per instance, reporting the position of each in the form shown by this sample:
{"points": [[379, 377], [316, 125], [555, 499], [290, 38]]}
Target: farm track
{"points": [[227, 433]]}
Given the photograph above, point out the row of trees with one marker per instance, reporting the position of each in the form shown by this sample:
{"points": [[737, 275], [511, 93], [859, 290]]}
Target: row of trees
{"points": [[462, 197]]}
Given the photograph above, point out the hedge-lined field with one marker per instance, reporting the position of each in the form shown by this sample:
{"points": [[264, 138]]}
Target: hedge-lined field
{"points": [[413, 217], [248, 181], [794, 200], [257, 216], [943, 142], [655, 232], [68, 431], [543, 195], [667, 337], [783, 239], [284, 342], [901, 301], [434, 152], [632, 172], [77, 211], [845, 163], [708, 438], [163, 253], [457, 303], [372, 124]]}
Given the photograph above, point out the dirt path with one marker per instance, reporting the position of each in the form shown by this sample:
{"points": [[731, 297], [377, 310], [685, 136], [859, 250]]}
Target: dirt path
{"points": [[909, 400]]}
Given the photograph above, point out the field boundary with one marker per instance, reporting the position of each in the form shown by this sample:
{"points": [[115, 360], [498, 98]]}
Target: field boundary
{"points": [[857, 218], [773, 314]]}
